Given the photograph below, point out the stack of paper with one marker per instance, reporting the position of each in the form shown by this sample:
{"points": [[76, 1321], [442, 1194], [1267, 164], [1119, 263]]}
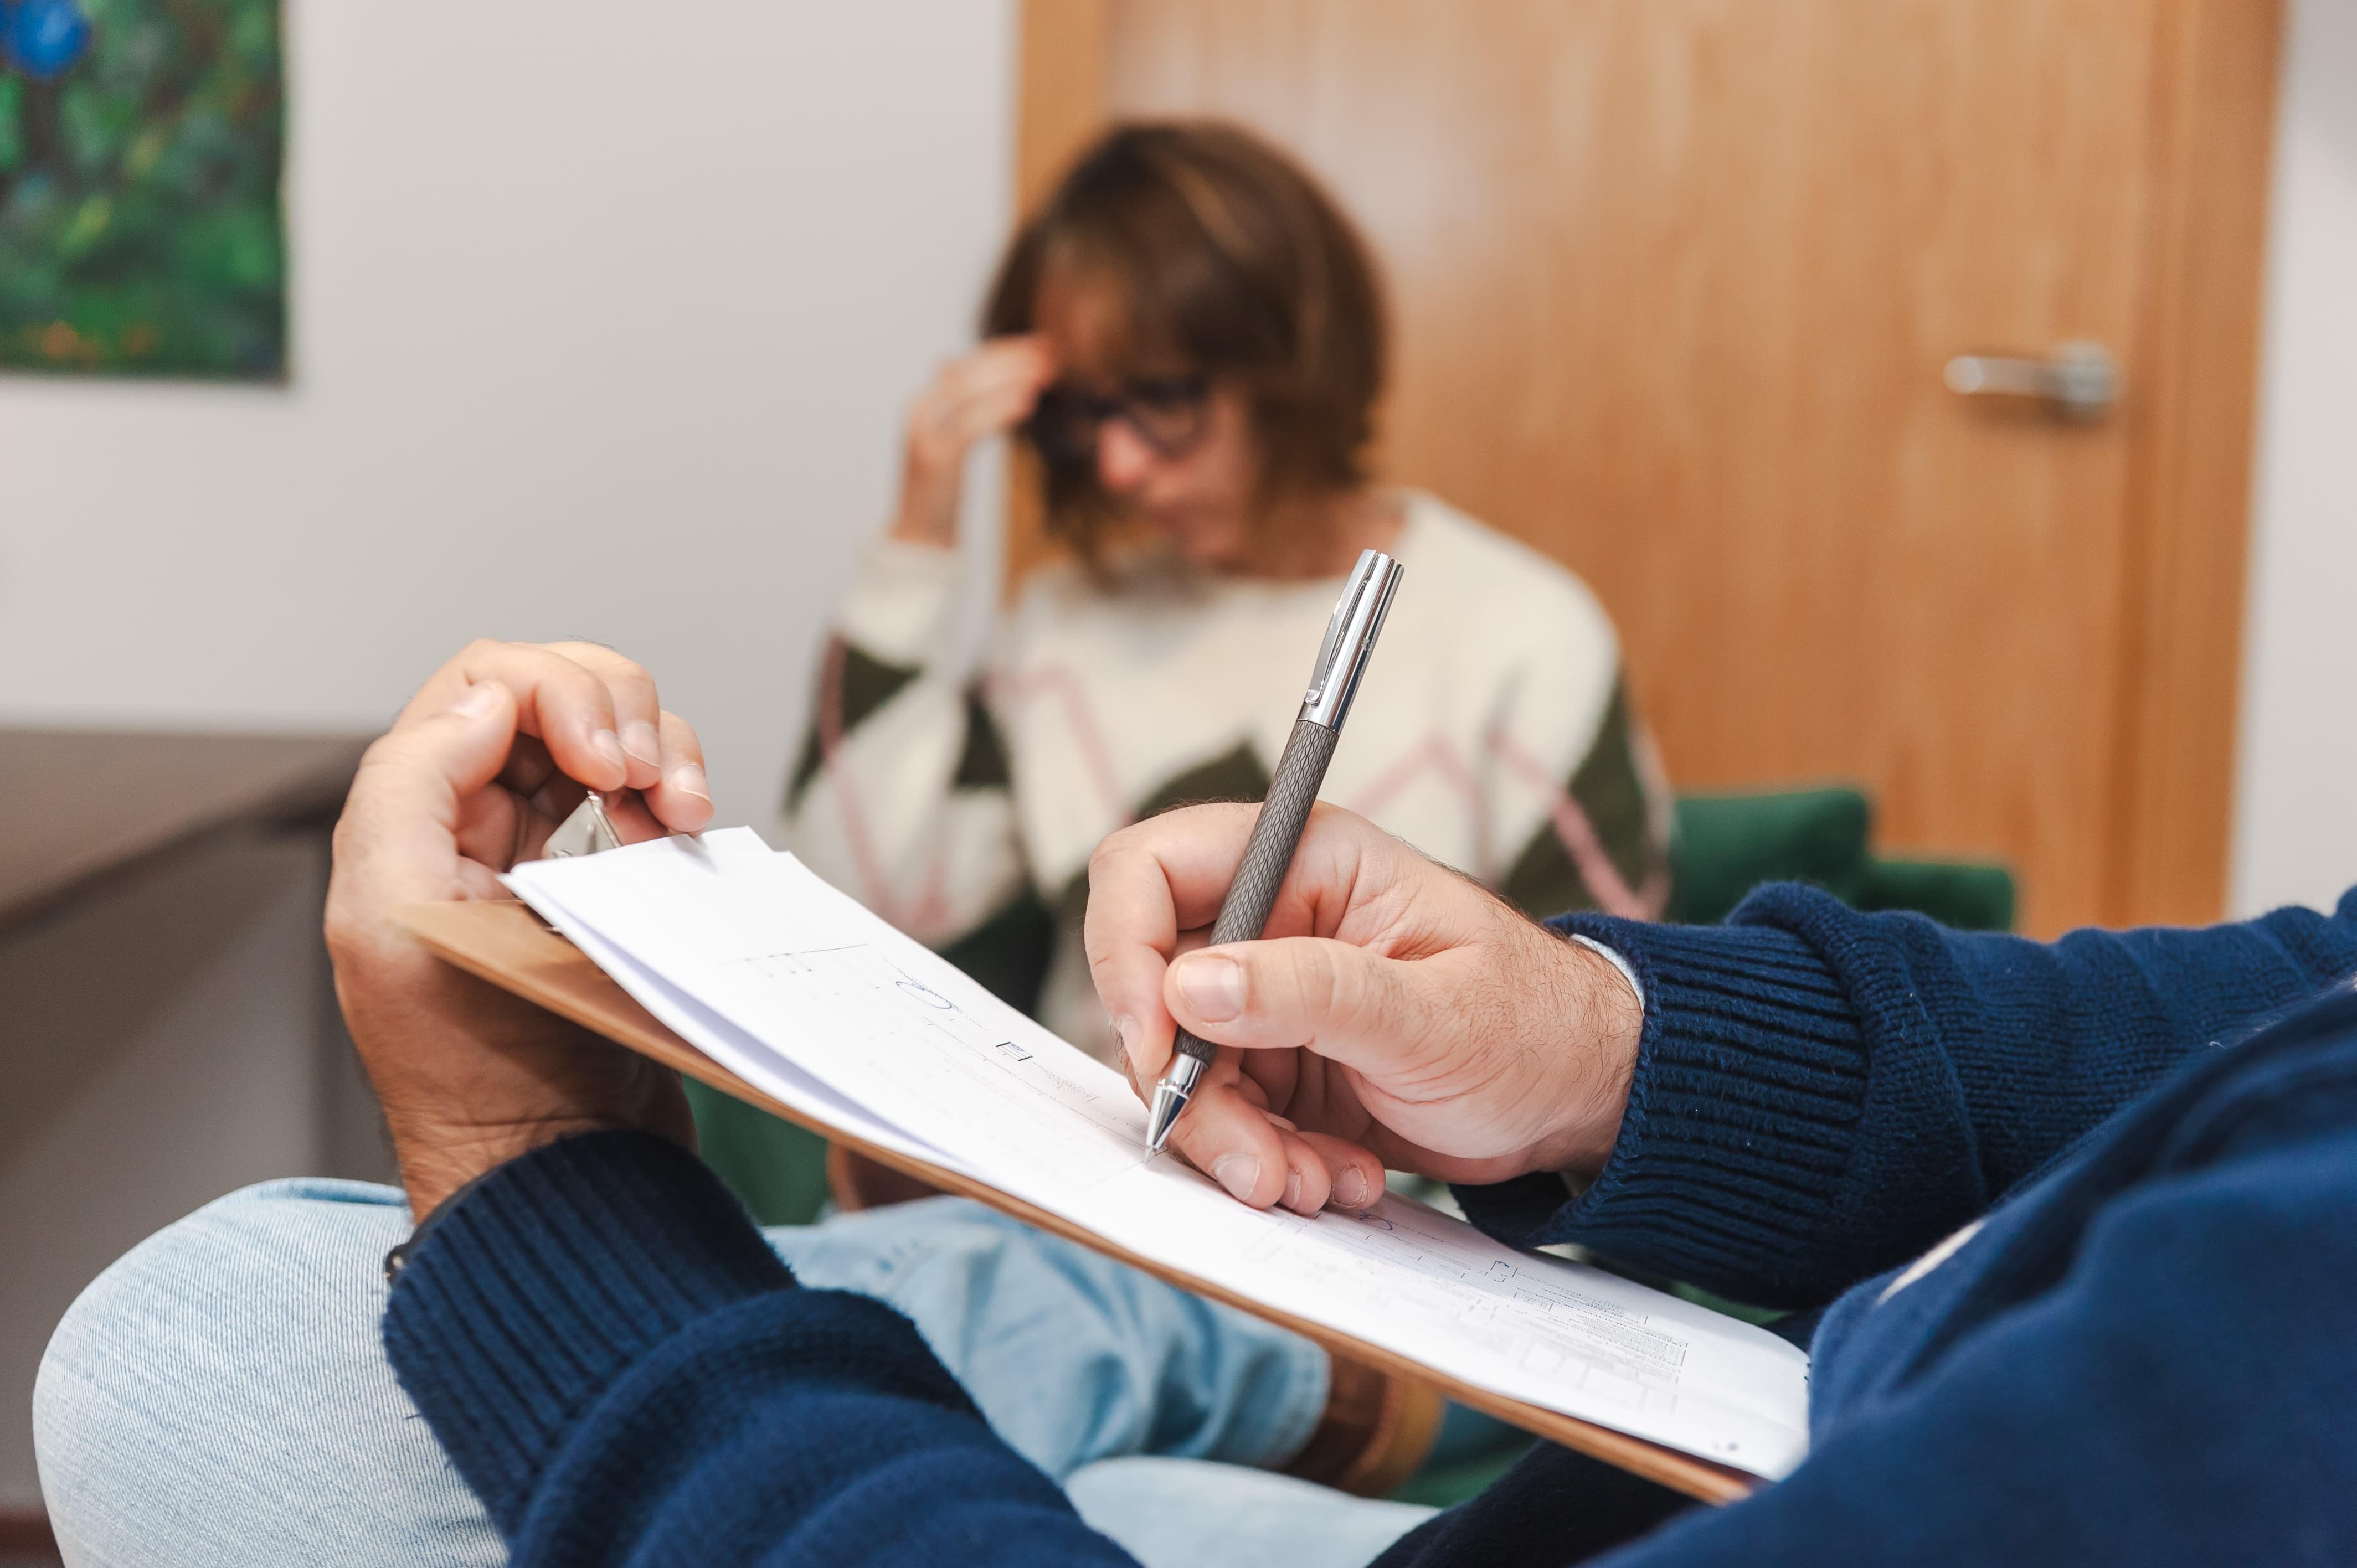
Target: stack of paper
{"points": [[805, 994]]}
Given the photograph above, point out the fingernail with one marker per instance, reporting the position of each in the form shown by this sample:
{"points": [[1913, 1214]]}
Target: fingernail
{"points": [[1238, 1173], [481, 699], [639, 740], [1351, 1189], [608, 747], [688, 779], [1293, 1190], [1124, 1029], [1213, 985]]}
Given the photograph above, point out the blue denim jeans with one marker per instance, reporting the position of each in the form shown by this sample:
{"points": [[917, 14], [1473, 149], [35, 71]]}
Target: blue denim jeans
{"points": [[220, 1395]]}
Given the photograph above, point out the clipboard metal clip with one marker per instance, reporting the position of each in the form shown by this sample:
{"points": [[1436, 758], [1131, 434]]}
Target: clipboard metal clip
{"points": [[588, 831]]}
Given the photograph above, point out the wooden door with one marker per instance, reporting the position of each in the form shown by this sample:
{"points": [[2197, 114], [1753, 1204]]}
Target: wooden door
{"points": [[1675, 282]]}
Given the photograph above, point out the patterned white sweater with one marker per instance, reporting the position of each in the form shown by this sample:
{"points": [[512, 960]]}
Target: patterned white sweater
{"points": [[1493, 732]]}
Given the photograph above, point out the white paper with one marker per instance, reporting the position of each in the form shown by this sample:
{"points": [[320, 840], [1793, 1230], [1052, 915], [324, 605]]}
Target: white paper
{"points": [[798, 989], [738, 1051]]}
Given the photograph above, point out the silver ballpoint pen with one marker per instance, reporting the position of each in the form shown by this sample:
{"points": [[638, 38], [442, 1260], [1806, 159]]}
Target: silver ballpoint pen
{"points": [[1333, 683]]}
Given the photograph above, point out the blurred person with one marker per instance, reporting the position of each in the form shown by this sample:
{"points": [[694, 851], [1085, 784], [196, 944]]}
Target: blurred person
{"points": [[1189, 336]]}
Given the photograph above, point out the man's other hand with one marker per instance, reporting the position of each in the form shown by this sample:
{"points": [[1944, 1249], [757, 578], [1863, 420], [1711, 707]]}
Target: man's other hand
{"points": [[1395, 1014], [492, 753]]}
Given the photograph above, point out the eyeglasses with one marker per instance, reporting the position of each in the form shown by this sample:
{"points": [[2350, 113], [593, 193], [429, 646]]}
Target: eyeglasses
{"points": [[1167, 412]]}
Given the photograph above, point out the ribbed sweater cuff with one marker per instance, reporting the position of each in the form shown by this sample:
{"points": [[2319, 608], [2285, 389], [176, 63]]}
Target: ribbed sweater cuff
{"points": [[540, 1285], [1750, 1082]]}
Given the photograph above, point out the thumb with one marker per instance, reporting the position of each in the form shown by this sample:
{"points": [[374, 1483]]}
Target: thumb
{"points": [[1346, 1003], [397, 840]]}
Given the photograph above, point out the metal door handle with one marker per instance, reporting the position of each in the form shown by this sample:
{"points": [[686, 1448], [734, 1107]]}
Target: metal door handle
{"points": [[2077, 381]]}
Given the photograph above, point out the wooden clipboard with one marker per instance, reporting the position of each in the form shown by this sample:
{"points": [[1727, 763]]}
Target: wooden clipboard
{"points": [[505, 943]]}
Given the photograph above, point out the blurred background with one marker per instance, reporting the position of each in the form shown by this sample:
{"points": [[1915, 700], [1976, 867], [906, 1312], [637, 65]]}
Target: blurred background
{"points": [[334, 335]]}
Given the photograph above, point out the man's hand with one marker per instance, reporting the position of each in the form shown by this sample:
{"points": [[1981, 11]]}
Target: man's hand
{"points": [[1395, 1015], [486, 759]]}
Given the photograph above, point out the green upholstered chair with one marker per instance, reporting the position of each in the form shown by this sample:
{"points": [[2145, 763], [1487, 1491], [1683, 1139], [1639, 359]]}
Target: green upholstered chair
{"points": [[777, 1169], [1725, 845]]}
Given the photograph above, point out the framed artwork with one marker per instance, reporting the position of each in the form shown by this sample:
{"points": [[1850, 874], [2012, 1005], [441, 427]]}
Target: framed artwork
{"points": [[141, 230]]}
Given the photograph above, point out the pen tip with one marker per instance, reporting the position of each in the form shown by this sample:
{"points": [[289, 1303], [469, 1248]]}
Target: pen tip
{"points": [[1162, 1116]]}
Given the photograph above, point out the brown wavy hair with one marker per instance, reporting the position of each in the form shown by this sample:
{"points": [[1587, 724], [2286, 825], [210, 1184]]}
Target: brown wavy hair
{"points": [[1228, 258]]}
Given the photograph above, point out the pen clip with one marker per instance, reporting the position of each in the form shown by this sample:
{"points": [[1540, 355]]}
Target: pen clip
{"points": [[1350, 639]]}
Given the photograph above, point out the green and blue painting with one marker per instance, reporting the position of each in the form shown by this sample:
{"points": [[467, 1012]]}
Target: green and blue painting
{"points": [[141, 231]]}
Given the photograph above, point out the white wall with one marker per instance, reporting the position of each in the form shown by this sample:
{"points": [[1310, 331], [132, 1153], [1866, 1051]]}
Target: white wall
{"points": [[603, 316], [2296, 795]]}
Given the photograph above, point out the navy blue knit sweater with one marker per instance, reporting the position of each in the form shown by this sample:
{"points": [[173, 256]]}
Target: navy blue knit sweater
{"points": [[2147, 1351]]}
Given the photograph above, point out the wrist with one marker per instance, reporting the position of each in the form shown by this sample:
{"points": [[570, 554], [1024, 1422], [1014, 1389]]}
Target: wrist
{"points": [[929, 508], [1599, 1009], [923, 532], [439, 1158]]}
